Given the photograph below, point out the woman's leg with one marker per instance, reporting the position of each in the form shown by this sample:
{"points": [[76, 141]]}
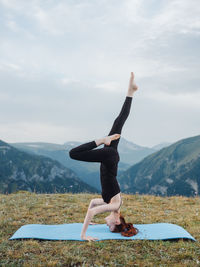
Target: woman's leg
{"points": [[120, 120], [86, 152]]}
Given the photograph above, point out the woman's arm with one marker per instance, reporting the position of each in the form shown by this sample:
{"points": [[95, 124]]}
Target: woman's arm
{"points": [[88, 217], [92, 211]]}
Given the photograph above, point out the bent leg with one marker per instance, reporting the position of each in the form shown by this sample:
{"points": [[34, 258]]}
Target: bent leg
{"points": [[85, 152], [120, 120]]}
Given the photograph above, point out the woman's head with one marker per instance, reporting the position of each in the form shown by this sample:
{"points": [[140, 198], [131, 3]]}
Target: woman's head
{"points": [[117, 224], [113, 219]]}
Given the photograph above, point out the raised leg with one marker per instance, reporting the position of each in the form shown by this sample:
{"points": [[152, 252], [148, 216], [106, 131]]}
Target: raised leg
{"points": [[120, 120], [123, 115], [86, 152]]}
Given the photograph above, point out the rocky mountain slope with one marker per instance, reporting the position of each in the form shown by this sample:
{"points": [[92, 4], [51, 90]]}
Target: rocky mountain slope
{"points": [[174, 170], [22, 171]]}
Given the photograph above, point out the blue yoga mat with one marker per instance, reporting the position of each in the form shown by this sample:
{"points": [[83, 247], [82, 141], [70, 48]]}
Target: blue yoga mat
{"points": [[156, 231]]}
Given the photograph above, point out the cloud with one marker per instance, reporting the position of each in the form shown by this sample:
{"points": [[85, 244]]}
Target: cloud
{"points": [[66, 81], [10, 67], [61, 62], [12, 25], [110, 86], [28, 132], [188, 101]]}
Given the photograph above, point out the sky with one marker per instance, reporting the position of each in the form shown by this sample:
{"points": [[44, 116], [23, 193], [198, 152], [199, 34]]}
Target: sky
{"points": [[65, 67]]}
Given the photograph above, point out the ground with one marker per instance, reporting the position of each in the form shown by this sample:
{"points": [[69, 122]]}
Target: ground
{"points": [[29, 208]]}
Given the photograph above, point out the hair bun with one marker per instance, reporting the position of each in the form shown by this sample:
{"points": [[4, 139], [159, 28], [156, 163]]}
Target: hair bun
{"points": [[126, 229], [129, 230]]}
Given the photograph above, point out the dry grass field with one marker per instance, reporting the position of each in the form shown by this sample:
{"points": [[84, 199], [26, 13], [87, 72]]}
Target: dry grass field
{"points": [[29, 208]]}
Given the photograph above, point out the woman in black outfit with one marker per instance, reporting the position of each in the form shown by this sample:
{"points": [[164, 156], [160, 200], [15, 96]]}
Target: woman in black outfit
{"points": [[108, 157]]}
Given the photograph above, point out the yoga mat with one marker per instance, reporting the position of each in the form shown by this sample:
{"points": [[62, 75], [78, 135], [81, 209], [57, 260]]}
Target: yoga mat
{"points": [[156, 231]]}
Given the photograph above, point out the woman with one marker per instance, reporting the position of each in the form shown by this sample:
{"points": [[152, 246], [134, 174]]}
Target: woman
{"points": [[108, 157]]}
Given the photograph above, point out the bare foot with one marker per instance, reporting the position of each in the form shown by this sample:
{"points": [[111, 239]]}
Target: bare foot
{"points": [[132, 86], [110, 138]]}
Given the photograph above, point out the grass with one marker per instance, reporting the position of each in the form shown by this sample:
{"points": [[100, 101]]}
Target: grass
{"points": [[29, 208]]}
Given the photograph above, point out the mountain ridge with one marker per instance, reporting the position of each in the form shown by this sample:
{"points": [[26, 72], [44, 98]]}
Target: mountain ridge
{"points": [[88, 172]]}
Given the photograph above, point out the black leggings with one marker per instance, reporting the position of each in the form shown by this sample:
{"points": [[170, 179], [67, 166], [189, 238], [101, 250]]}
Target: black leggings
{"points": [[86, 152]]}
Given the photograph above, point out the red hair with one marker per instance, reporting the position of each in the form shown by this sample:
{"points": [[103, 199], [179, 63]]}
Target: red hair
{"points": [[126, 229]]}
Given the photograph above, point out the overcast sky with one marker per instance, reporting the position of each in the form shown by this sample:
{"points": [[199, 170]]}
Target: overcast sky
{"points": [[65, 67]]}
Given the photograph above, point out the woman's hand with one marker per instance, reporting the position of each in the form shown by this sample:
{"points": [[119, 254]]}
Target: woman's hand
{"points": [[89, 238]]}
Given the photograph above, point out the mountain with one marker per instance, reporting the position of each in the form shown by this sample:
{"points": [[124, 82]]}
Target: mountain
{"points": [[22, 171], [87, 172], [130, 154], [161, 145], [174, 170]]}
